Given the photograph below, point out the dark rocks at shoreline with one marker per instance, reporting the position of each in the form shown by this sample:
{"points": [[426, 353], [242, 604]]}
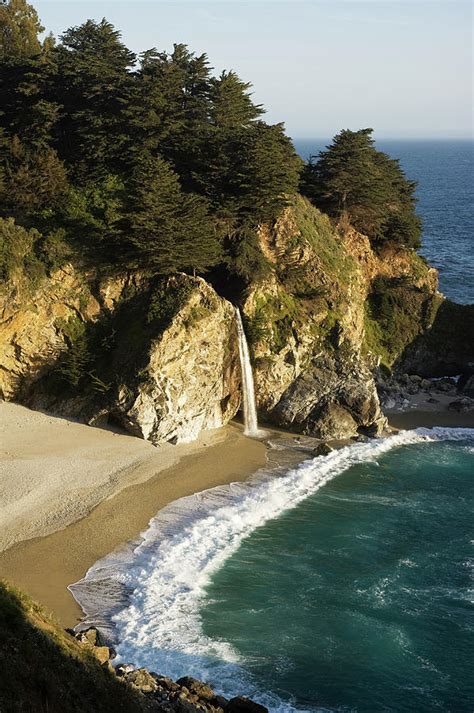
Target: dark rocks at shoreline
{"points": [[161, 693], [396, 390], [323, 449]]}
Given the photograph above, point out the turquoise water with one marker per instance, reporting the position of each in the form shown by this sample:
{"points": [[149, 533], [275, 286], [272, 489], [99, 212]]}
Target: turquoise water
{"points": [[444, 171], [358, 598]]}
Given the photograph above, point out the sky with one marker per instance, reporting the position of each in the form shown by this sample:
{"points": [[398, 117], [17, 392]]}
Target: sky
{"points": [[403, 67]]}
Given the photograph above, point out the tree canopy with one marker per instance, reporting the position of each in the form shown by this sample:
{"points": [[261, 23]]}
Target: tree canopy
{"points": [[19, 30], [155, 163], [147, 162], [353, 179]]}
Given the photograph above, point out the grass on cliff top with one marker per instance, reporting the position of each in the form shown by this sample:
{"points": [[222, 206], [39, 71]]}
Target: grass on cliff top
{"points": [[317, 231], [44, 670]]}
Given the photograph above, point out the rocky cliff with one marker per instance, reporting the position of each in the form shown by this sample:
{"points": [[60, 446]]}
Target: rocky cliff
{"points": [[160, 356]]}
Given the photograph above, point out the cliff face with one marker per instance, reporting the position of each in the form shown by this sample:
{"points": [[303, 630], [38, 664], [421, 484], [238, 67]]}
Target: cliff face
{"points": [[191, 377], [161, 356], [162, 361], [30, 337], [310, 327]]}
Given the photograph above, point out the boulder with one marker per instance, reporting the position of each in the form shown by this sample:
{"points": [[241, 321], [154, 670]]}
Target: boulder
{"points": [[200, 689], [89, 636], [124, 668], [332, 399], [461, 405], [142, 679], [240, 704], [323, 449]]}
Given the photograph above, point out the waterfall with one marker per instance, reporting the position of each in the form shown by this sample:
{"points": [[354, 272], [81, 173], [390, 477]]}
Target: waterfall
{"points": [[248, 390]]}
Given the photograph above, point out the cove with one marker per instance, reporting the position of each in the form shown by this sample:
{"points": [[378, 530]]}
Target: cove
{"points": [[357, 599]]}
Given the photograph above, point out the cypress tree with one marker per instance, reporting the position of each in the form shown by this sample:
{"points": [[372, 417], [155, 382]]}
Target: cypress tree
{"points": [[19, 30], [164, 229], [94, 87], [352, 179]]}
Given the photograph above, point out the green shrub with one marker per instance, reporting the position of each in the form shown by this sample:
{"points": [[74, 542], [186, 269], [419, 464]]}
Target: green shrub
{"points": [[17, 253]]}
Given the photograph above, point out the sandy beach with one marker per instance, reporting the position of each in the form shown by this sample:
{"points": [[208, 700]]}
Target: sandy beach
{"points": [[70, 494]]}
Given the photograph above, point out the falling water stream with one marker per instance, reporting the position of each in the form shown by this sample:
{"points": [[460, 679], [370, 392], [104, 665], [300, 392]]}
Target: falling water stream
{"points": [[248, 389]]}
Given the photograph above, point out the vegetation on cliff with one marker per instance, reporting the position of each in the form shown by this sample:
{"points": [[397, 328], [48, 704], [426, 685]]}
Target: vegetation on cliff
{"points": [[45, 670], [351, 180], [146, 162], [152, 163]]}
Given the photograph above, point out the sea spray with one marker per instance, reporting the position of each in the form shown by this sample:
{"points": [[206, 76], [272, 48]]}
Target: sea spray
{"points": [[248, 388], [150, 594]]}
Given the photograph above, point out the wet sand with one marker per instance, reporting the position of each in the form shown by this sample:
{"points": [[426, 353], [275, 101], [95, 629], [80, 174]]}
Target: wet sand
{"points": [[45, 566], [416, 419]]}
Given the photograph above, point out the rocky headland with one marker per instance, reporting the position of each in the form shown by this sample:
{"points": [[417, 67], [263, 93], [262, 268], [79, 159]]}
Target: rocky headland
{"points": [[334, 327]]}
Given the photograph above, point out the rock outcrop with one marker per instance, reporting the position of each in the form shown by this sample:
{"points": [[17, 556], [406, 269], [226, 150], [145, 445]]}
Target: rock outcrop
{"points": [[31, 338], [160, 356], [161, 361], [446, 348], [191, 379]]}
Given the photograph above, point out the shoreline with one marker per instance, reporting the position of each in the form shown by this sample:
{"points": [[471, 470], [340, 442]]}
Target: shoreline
{"points": [[44, 566], [215, 459]]}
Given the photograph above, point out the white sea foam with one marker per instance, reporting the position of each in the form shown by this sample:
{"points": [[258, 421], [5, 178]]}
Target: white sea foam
{"points": [[148, 596]]}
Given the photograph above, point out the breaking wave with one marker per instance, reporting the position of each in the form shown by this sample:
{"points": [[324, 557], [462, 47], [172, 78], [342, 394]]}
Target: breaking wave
{"points": [[147, 595]]}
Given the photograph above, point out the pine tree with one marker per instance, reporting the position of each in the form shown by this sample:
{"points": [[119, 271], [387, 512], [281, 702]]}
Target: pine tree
{"points": [[231, 105], [94, 87], [33, 181]]}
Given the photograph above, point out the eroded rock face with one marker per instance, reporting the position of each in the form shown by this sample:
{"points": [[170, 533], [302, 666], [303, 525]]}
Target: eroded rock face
{"points": [[306, 323], [31, 338], [191, 381], [331, 400]]}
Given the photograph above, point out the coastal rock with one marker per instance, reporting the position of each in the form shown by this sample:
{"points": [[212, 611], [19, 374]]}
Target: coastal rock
{"points": [[463, 405], [240, 704], [202, 690], [142, 680], [164, 383], [306, 326], [91, 640], [324, 449], [331, 401], [446, 348], [89, 636], [190, 380], [31, 321]]}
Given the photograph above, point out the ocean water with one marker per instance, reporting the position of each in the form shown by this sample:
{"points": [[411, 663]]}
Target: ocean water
{"points": [[444, 171], [341, 584], [359, 599]]}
